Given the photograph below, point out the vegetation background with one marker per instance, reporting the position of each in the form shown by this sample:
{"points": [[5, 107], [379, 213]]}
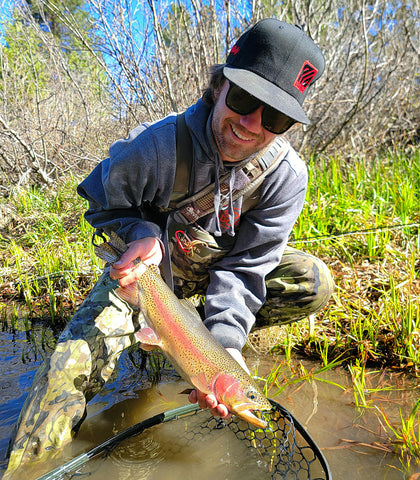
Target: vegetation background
{"points": [[76, 75]]}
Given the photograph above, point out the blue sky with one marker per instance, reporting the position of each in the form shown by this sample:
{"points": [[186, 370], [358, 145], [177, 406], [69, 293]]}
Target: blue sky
{"points": [[5, 8]]}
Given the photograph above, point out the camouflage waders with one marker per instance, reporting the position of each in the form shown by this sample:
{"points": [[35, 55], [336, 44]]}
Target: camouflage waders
{"points": [[83, 360], [299, 287], [104, 326]]}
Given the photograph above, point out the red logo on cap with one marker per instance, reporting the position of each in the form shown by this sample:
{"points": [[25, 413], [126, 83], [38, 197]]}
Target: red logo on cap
{"points": [[235, 49], [305, 76]]}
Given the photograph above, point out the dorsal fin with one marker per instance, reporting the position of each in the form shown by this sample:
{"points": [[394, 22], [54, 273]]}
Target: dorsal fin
{"points": [[190, 307]]}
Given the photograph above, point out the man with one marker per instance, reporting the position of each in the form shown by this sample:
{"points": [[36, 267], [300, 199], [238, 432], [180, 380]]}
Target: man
{"points": [[252, 99]]}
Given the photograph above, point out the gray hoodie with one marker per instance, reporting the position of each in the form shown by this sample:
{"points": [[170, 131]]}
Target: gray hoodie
{"points": [[141, 169]]}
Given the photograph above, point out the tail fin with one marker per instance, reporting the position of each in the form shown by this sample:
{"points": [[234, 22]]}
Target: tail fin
{"points": [[106, 253], [117, 243], [112, 250]]}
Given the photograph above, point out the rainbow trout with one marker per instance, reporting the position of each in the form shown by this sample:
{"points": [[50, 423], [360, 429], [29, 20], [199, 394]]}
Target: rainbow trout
{"points": [[175, 326]]}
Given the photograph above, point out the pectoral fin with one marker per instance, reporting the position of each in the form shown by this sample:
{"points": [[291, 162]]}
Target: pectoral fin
{"points": [[130, 294], [187, 391], [148, 335], [200, 381]]}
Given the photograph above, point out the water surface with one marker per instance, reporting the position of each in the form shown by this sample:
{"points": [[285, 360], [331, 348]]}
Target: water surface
{"points": [[345, 434]]}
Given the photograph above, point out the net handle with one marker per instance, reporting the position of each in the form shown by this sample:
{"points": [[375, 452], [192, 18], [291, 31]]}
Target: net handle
{"points": [[109, 444]]}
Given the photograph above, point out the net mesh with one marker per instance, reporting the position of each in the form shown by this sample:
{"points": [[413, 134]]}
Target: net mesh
{"points": [[284, 449]]}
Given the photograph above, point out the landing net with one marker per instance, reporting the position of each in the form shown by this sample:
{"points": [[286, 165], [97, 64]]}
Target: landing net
{"points": [[282, 451]]}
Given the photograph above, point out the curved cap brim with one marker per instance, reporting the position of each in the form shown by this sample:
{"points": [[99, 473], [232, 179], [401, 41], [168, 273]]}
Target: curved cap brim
{"points": [[267, 92]]}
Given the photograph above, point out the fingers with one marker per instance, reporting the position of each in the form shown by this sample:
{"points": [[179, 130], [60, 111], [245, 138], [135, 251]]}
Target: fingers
{"points": [[149, 249], [192, 397], [126, 276], [220, 411], [209, 401]]}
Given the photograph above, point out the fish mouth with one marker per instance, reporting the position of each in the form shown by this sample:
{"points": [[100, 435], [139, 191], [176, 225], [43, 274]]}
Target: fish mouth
{"points": [[245, 411]]}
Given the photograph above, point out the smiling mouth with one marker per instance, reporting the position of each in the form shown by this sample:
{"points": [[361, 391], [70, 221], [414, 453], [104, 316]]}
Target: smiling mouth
{"points": [[239, 135]]}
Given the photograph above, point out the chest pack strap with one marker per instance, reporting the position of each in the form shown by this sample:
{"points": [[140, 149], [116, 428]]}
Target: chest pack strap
{"points": [[250, 176], [184, 162]]}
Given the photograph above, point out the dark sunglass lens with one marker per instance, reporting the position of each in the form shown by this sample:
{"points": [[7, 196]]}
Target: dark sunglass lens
{"points": [[275, 121], [240, 101], [243, 103]]}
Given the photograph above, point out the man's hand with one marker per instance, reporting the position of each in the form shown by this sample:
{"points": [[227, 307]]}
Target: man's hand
{"points": [[210, 401], [149, 249]]}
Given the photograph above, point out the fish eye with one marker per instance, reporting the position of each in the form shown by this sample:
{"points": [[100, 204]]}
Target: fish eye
{"points": [[251, 395]]}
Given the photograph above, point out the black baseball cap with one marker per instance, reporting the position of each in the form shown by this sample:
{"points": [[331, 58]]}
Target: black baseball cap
{"points": [[276, 62]]}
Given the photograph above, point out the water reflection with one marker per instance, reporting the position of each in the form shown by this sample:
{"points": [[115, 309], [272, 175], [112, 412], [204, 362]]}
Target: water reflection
{"points": [[18, 364]]}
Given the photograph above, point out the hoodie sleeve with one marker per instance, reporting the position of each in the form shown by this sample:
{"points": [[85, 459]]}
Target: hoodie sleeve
{"points": [[237, 282], [139, 169]]}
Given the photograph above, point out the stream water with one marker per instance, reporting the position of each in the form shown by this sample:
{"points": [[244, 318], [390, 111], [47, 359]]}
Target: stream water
{"points": [[346, 435]]}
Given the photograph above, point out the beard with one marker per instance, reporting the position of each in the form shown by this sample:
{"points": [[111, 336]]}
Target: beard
{"points": [[234, 144]]}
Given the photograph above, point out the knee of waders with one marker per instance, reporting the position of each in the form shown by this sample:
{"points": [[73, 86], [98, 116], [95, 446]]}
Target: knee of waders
{"points": [[300, 286], [302, 275]]}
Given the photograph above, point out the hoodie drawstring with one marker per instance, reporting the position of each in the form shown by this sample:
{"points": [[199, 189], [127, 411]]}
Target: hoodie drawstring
{"points": [[218, 200], [232, 178]]}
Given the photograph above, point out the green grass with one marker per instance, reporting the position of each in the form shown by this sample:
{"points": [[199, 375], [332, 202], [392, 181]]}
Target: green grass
{"points": [[361, 217], [366, 216], [405, 437], [374, 315], [46, 256]]}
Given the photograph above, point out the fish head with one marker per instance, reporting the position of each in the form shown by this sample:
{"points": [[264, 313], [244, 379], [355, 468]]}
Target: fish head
{"points": [[242, 397]]}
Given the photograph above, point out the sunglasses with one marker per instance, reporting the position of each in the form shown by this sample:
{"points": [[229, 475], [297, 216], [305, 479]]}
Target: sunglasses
{"points": [[242, 102]]}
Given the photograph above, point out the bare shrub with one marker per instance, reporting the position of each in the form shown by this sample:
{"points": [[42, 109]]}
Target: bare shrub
{"points": [[62, 102], [53, 113]]}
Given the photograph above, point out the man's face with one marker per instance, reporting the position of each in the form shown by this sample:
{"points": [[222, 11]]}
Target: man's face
{"points": [[237, 136]]}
